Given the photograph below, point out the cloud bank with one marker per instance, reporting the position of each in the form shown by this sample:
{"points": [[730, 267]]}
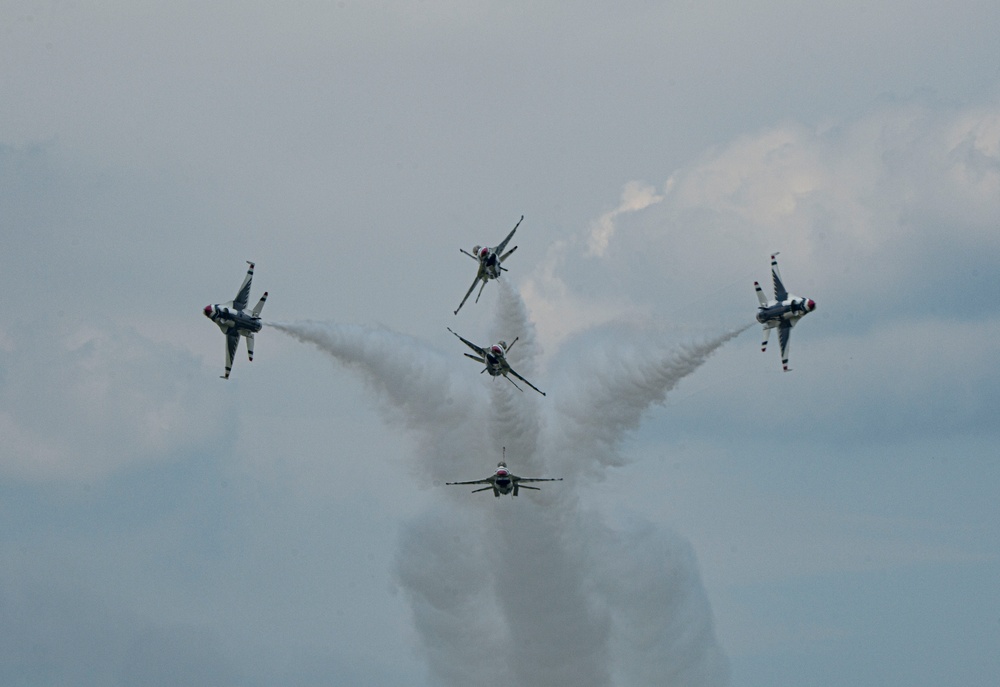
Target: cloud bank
{"points": [[85, 400]]}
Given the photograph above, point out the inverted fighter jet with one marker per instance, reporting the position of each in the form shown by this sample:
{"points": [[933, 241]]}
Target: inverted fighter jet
{"points": [[783, 312], [235, 321], [490, 263], [503, 482], [495, 360]]}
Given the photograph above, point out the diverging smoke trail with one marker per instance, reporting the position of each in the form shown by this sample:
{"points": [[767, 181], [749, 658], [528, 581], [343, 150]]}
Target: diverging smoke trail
{"points": [[537, 590], [613, 384], [416, 385], [401, 369]]}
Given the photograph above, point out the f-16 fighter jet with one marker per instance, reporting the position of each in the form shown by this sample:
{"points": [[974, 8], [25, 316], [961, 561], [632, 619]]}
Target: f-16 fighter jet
{"points": [[495, 359], [503, 482], [783, 312], [234, 320], [490, 263]]}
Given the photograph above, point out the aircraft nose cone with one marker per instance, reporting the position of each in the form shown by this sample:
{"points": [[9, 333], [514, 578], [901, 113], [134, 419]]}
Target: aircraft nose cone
{"points": [[208, 311], [811, 304]]}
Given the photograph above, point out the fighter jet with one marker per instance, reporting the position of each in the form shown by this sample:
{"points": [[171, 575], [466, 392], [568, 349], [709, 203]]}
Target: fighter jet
{"points": [[495, 359], [490, 263], [503, 482], [234, 321], [783, 312]]}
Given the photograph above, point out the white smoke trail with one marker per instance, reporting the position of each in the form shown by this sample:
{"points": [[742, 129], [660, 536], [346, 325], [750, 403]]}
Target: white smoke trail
{"points": [[537, 591], [443, 565], [405, 371], [418, 387], [613, 386], [662, 632], [516, 416]]}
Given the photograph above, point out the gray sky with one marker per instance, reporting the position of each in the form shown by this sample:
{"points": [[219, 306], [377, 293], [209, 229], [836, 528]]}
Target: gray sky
{"points": [[720, 522]]}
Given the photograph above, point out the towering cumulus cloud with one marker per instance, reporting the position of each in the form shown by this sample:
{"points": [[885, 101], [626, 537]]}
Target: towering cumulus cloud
{"points": [[541, 590]]}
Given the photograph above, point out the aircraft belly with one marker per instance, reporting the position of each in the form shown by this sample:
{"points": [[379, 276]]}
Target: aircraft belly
{"points": [[245, 323], [771, 314]]}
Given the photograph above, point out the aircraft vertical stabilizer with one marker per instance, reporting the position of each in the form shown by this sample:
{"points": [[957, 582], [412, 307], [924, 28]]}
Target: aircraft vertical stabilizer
{"points": [[260, 305], [760, 295], [235, 321], [782, 313]]}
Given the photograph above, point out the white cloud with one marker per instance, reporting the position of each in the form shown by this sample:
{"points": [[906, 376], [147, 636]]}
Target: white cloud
{"points": [[85, 400], [636, 196], [868, 210]]}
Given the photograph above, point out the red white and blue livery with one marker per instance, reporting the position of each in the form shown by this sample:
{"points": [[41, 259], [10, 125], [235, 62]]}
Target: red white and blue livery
{"points": [[783, 312], [490, 263], [503, 481], [495, 360], [235, 321]]}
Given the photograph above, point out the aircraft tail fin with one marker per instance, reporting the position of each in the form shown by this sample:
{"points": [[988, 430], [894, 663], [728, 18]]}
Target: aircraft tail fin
{"points": [[767, 335], [760, 295], [249, 337], [260, 305], [512, 382], [507, 254], [477, 295], [780, 292]]}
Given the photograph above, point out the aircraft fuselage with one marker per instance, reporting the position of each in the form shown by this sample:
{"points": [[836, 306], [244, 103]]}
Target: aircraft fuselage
{"points": [[227, 318], [490, 266], [792, 308], [503, 485], [494, 363]]}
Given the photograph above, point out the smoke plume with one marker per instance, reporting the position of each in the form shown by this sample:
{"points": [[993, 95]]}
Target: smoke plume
{"points": [[539, 590]]}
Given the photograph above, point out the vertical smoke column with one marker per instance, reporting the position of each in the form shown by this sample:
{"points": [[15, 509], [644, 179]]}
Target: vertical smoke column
{"points": [[555, 634]]}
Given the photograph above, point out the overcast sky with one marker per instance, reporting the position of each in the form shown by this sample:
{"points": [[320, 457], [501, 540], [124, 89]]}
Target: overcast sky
{"points": [[719, 523]]}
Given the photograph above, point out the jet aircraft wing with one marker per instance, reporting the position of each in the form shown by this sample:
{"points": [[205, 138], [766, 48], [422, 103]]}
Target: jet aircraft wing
{"points": [[488, 480], [503, 244], [511, 370], [780, 293], [477, 349], [243, 295], [468, 293], [539, 479], [784, 332], [232, 343]]}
